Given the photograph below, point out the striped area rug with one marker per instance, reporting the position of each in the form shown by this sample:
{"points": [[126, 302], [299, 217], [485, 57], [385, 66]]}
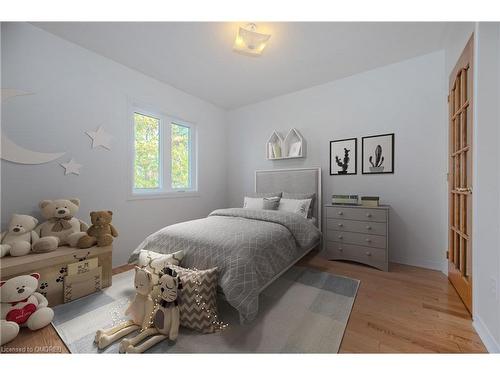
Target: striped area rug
{"points": [[304, 311]]}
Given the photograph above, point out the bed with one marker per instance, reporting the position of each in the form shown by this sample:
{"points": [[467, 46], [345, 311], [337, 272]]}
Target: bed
{"points": [[250, 248]]}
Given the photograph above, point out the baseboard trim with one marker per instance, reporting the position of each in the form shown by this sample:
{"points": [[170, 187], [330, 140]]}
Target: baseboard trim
{"points": [[492, 346], [432, 265]]}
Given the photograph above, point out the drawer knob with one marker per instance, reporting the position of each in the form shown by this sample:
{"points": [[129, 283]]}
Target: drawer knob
{"points": [[340, 237], [368, 254], [340, 224], [368, 214], [340, 249], [368, 227], [340, 213], [368, 240]]}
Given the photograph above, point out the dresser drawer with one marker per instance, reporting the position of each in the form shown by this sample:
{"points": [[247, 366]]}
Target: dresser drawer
{"points": [[361, 239], [357, 226], [366, 255], [362, 214]]}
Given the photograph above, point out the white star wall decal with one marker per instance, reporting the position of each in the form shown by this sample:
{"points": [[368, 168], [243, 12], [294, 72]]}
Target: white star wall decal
{"points": [[71, 167], [100, 138]]}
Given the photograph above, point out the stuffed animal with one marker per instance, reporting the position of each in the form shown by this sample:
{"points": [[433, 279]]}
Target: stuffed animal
{"points": [[101, 232], [20, 236], [61, 227], [166, 318], [140, 310], [22, 306]]}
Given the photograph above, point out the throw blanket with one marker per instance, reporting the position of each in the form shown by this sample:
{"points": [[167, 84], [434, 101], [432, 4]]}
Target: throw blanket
{"points": [[249, 248]]}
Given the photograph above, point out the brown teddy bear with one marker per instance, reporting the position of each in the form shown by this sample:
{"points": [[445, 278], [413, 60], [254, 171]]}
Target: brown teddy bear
{"points": [[101, 232]]}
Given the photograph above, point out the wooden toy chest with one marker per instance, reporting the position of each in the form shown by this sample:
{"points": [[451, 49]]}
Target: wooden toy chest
{"points": [[53, 266]]}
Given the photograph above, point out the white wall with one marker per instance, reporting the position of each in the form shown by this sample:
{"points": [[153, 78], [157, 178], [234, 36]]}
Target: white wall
{"points": [[407, 98], [486, 185], [76, 90]]}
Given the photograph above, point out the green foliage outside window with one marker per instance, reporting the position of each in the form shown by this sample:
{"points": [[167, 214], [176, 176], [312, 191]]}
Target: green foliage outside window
{"points": [[147, 152], [180, 157]]}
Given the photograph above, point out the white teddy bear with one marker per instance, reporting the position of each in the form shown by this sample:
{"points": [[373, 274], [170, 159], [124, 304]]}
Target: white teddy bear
{"points": [[19, 237], [22, 306], [61, 227]]}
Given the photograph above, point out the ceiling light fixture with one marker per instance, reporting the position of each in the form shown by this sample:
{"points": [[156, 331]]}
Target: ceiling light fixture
{"points": [[249, 41]]}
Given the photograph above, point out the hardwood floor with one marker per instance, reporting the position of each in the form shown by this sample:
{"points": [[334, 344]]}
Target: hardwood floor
{"points": [[409, 309]]}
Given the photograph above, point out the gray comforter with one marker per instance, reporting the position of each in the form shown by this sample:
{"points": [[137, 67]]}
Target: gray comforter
{"points": [[249, 248]]}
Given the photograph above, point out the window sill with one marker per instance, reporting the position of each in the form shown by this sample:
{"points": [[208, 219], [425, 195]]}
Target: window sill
{"points": [[165, 195]]}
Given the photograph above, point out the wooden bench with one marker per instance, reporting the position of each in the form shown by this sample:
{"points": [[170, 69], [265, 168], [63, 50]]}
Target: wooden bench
{"points": [[53, 267]]}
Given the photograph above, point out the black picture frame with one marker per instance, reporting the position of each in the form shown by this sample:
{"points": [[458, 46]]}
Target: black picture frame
{"points": [[375, 170], [355, 160]]}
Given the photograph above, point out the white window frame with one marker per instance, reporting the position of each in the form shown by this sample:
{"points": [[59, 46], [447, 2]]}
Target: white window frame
{"points": [[165, 190]]}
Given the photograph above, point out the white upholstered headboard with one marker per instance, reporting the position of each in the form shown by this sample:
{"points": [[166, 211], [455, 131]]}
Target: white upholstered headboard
{"points": [[294, 180]]}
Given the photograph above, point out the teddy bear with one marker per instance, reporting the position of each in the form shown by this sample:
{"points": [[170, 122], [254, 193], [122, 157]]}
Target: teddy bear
{"points": [[101, 232], [61, 227], [166, 318], [22, 306], [19, 237]]}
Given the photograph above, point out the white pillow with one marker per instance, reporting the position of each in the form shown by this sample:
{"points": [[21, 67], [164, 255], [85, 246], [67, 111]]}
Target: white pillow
{"points": [[297, 206], [253, 203]]}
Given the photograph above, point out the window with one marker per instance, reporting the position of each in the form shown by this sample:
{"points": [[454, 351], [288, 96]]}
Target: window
{"points": [[164, 155]]}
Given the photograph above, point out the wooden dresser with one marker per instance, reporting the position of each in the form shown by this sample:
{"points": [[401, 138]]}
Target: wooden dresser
{"points": [[358, 233]]}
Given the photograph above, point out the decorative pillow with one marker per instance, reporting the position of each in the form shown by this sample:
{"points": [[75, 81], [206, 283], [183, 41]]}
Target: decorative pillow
{"points": [[266, 203], [298, 206], [271, 203], [264, 195], [311, 196], [198, 299], [253, 203], [155, 262]]}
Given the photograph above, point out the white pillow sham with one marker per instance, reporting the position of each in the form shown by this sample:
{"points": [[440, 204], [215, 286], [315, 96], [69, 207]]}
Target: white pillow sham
{"points": [[297, 206], [253, 203], [256, 203]]}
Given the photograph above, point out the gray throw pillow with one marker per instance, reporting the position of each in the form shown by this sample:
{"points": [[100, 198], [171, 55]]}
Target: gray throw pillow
{"points": [[264, 195], [311, 196], [271, 203]]}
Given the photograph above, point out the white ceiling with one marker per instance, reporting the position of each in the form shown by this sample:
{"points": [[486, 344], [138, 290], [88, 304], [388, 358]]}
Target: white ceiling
{"points": [[198, 58]]}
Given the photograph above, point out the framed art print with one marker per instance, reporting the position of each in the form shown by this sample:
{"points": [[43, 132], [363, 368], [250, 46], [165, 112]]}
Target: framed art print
{"points": [[343, 157], [377, 154]]}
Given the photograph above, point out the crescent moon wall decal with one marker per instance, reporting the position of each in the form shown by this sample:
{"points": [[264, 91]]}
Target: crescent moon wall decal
{"points": [[12, 152]]}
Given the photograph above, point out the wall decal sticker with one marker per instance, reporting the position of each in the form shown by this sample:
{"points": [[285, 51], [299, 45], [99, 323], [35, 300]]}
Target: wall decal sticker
{"points": [[14, 153], [10, 93], [71, 167], [100, 138]]}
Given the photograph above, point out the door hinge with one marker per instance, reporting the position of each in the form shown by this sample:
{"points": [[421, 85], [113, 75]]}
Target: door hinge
{"points": [[448, 98], [447, 254]]}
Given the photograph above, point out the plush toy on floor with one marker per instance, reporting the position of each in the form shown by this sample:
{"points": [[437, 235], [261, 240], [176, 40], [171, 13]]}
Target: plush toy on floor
{"points": [[101, 232], [140, 310], [166, 319], [20, 236], [22, 306], [61, 227]]}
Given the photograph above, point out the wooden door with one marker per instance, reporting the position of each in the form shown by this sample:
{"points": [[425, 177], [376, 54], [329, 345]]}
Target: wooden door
{"points": [[460, 176]]}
